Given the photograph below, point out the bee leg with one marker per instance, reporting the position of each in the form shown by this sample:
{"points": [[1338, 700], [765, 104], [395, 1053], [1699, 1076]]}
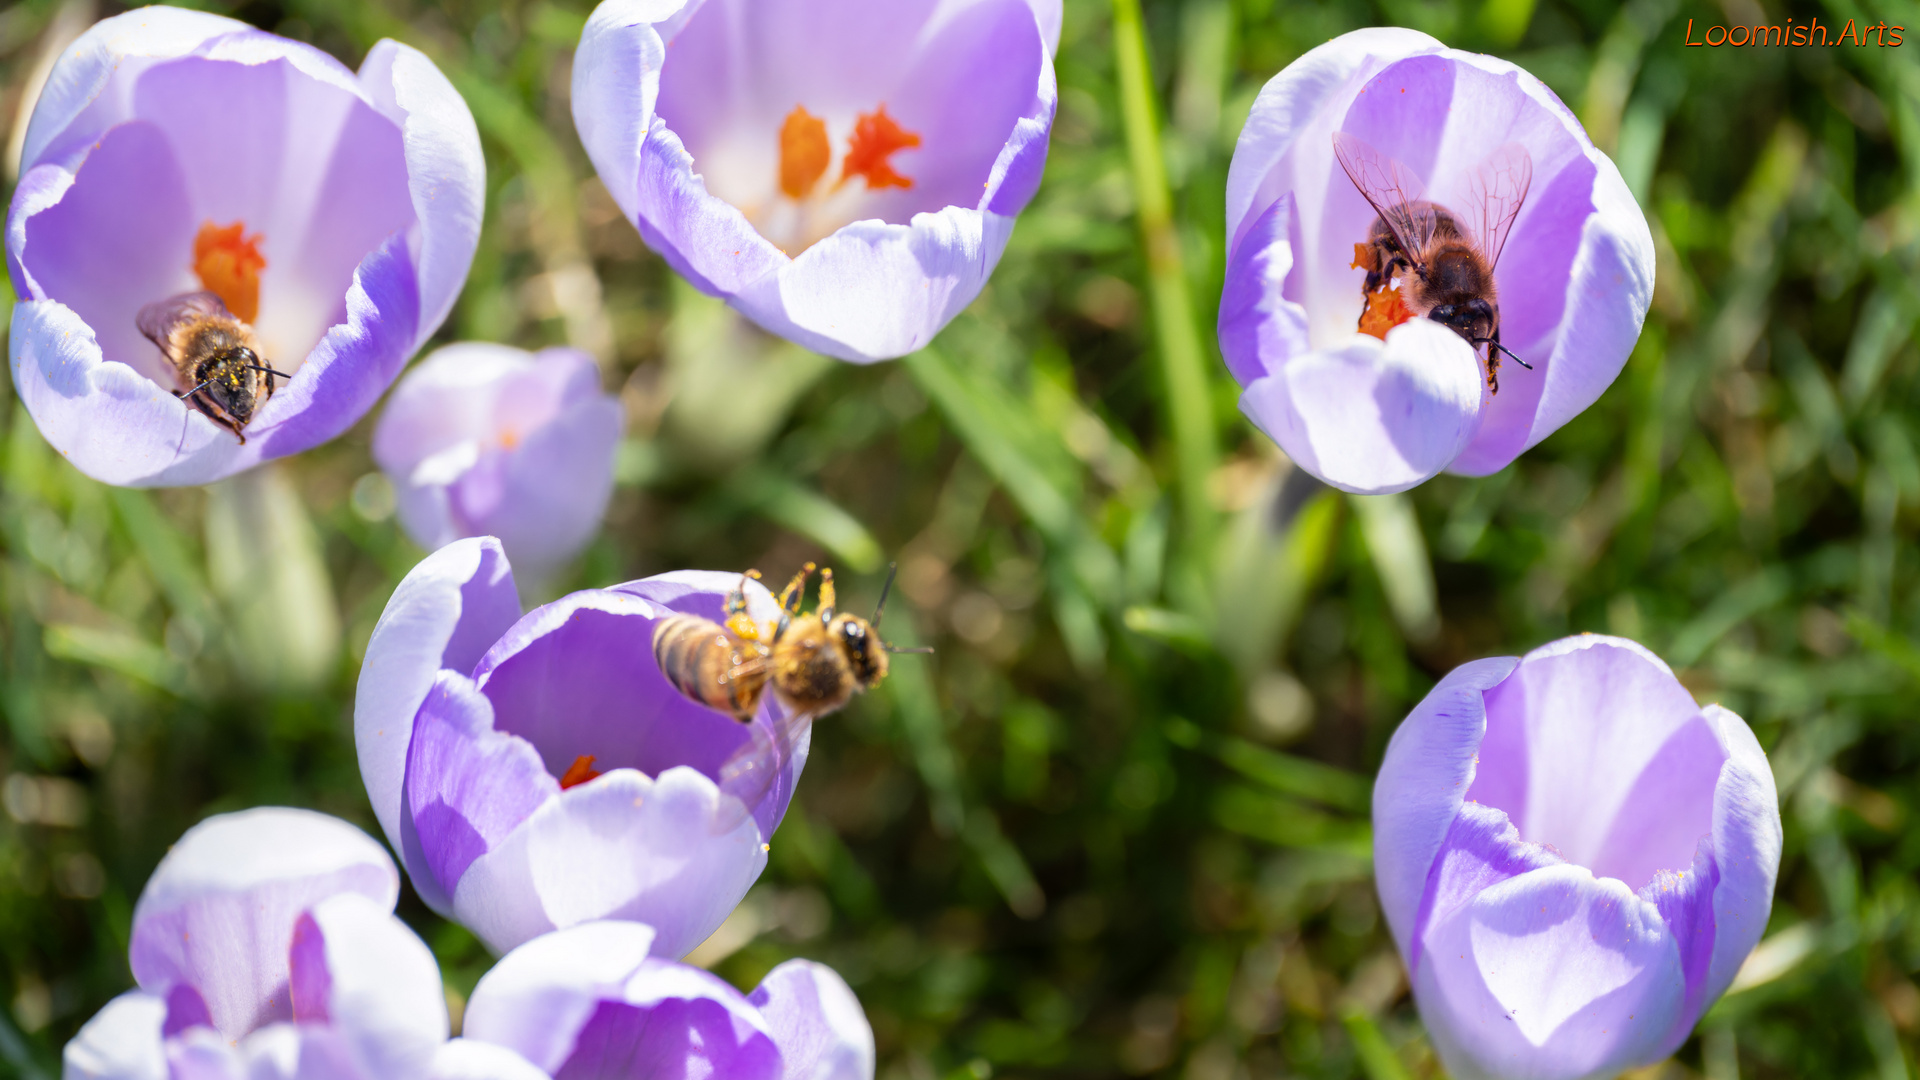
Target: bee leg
{"points": [[826, 595], [791, 595], [1493, 370], [222, 419], [736, 617]]}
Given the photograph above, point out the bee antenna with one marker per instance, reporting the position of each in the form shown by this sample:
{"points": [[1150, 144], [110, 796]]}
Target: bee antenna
{"points": [[1509, 352], [917, 649], [270, 371], [892, 569]]}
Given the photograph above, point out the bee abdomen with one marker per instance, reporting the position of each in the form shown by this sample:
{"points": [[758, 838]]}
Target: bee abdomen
{"points": [[710, 665]]}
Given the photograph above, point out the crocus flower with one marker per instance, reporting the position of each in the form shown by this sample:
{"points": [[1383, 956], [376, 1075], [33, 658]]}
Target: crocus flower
{"points": [[591, 1001], [539, 772], [172, 151], [488, 440], [265, 946], [846, 173], [1371, 415], [1574, 859]]}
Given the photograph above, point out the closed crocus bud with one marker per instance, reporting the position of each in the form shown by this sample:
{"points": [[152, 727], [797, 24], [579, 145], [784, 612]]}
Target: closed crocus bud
{"points": [[203, 205], [1378, 391], [1574, 858], [539, 772], [591, 1001], [265, 946], [489, 440], [845, 173]]}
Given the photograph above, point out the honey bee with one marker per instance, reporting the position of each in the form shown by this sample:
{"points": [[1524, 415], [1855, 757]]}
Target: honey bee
{"points": [[1444, 265], [813, 663], [215, 357]]}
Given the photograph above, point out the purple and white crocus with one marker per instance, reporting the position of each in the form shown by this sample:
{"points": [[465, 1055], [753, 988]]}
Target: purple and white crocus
{"points": [[1574, 858], [1369, 415], [845, 173], [265, 946], [592, 1001], [489, 440], [539, 772], [174, 151]]}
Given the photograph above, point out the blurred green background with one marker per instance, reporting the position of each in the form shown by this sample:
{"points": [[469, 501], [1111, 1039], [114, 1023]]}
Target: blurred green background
{"points": [[1117, 824]]}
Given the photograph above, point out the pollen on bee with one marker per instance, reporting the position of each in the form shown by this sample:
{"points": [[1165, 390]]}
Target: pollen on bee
{"points": [[579, 772], [804, 152], [1386, 309], [876, 138], [228, 263]]}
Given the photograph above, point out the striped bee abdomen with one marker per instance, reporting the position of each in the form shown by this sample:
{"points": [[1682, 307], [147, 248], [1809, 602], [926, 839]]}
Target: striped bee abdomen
{"points": [[711, 665]]}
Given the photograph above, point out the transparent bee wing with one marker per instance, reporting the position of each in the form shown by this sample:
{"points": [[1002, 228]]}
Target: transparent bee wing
{"points": [[1392, 189], [1497, 190], [750, 774], [158, 319]]}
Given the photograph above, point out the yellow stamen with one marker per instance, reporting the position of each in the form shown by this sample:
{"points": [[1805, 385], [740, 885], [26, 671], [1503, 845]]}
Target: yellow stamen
{"points": [[229, 264], [1386, 309], [804, 152]]}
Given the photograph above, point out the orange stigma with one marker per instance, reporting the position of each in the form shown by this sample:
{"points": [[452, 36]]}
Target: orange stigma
{"points": [[1386, 309], [579, 772], [876, 138], [229, 266], [804, 152]]}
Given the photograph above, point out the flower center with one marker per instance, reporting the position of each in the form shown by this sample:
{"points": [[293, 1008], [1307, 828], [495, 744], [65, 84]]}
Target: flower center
{"points": [[875, 139], [805, 152], [1386, 308], [228, 264], [579, 772]]}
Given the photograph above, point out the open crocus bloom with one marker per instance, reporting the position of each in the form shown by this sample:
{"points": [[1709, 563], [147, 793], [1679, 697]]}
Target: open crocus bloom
{"points": [[489, 440], [174, 151], [846, 173], [589, 1001], [539, 772], [265, 946], [1574, 278], [1574, 858]]}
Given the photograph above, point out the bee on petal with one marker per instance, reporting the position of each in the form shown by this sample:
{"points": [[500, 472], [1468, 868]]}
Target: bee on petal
{"points": [[1444, 264], [215, 358]]}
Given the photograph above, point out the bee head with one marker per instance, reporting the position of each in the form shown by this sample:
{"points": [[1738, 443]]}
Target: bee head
{"points": [[228, 377], [866, 655], [1472, 318]]}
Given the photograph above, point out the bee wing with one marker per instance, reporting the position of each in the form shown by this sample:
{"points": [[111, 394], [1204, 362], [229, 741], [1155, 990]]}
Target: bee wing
{"points": [[751, 772], [1391, 188], [1497, 189], [158, 319]]}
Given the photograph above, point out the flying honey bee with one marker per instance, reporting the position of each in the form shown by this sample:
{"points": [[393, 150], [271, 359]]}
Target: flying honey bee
{"points": [[1444, 264], [813, 663], [215, 357]]}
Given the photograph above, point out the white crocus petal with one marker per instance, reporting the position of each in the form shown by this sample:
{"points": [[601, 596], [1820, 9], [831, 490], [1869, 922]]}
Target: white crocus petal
{"points": [[466, 1059], [385, 998], [121, 1042], [817, 1023], [538, 996], [446, 612], [242, 880]]}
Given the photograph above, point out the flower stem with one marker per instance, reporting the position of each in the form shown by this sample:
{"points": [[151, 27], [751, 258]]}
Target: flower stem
{"points": [[1182, 355]]}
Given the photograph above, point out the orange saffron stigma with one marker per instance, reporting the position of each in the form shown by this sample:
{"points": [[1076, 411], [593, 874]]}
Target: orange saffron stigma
{"points": [[876, 138], [804, 152], [579, 772], [1385, 310], [229, 265]]}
